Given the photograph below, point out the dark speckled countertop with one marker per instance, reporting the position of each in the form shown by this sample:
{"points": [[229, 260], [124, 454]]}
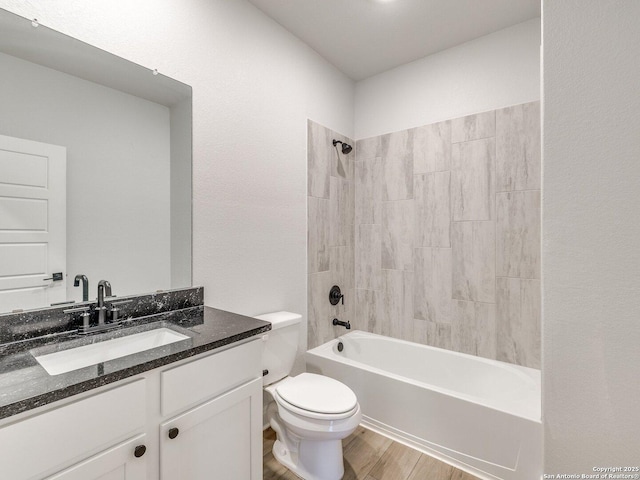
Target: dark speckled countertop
{"points": [[25, 385]]}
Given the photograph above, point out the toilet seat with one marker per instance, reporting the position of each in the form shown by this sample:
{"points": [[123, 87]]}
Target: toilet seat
{"points": [[317, 394], [325, 417]]}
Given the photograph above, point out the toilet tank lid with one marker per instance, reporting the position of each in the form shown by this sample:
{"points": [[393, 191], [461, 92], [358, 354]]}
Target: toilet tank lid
{"points": [[280, 319]]}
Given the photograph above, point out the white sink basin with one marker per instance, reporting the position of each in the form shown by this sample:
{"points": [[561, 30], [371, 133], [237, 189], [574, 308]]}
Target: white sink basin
{"points": [[80, 357]]}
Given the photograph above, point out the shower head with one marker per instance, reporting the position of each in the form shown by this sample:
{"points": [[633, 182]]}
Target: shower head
{"points": [[346, 148]]}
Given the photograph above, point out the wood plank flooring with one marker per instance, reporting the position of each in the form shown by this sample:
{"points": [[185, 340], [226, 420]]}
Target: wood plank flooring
{"points": [[370, 456]]}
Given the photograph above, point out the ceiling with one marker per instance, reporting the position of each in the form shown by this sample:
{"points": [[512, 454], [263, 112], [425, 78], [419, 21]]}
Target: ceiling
{"points": [[366, 37]]}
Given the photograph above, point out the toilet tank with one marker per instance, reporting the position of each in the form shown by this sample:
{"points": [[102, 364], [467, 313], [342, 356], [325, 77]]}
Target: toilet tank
{"points": [[280, 345]]}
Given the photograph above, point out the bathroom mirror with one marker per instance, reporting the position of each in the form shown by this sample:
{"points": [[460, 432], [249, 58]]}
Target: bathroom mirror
{"points": [[95, 171]]}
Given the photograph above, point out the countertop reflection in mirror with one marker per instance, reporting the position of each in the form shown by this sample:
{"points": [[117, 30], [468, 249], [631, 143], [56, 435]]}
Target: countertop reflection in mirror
{"points": [[95, 170]]}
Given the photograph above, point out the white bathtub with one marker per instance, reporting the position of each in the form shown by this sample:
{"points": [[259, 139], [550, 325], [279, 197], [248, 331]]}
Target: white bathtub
{"points": [[479, 415]]}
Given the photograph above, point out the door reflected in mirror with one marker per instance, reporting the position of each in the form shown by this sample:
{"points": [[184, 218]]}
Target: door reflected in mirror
{"points": [[95, 171]]}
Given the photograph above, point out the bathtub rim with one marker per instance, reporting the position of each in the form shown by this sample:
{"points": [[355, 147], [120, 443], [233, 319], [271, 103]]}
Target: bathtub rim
{"points": [[534, 375]]}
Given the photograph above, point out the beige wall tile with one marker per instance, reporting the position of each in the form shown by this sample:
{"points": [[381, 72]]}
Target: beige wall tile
{"points": [[397, 165], [397, 177], [473, 180], [473, 257], [396, 303], [368, 256], [368, 191], [368, 148], [319, 328], [473, 127], [398, 221], [518, 148], [518, 234], [368, 313], [432, 209], [432, 284], [342, 213], [486, 330], [432, 333], [318, 234], [473, 328], [518, 321], [437, 148], [342, 266], [463, 327], [462, 234]]}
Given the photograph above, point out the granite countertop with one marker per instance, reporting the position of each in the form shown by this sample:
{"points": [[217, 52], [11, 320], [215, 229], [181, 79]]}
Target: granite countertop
{"points": [[25, 385]]}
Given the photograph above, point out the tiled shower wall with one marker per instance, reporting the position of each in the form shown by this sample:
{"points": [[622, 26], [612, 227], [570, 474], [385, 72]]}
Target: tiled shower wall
{"points": [[433, 233], [447, 234], [330, 251]]}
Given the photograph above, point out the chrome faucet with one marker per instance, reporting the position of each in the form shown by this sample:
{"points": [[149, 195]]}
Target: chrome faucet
{"points": [[104, 290], [85, 286]]}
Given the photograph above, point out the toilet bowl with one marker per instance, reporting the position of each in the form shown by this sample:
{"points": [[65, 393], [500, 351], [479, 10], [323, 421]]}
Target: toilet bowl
{"points": [[310, 413]]}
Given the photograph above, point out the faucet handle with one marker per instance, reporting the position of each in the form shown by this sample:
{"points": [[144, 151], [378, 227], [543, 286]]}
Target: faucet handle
{"points": [[114, 314], [77, 309], [113, 308], [120, 302], [85, 315], [335, 295]]}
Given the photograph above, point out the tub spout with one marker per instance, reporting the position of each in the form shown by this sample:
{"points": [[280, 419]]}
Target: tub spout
{"points": [[346, 325]]}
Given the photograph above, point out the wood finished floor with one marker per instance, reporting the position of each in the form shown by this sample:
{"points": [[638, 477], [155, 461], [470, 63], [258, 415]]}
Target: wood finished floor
{"points": [[370, 456]]}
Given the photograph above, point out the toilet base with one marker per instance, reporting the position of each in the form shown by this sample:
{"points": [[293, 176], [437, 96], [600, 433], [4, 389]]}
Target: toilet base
{"points": [[315, 460], [309, 446]]}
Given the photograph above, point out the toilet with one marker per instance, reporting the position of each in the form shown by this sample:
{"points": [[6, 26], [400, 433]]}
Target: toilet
{"points": [[310, 414]]}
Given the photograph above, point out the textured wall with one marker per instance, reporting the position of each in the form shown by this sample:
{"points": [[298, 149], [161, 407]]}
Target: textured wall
{"points": [[254, 86], [447, 234], [493, 71], [330, 237], [591, 254]]}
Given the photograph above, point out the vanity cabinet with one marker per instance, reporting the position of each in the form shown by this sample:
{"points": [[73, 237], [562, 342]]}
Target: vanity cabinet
{"points": [[117, 463], [223, 433], [221, 436], [75, 433], [195, 419]]}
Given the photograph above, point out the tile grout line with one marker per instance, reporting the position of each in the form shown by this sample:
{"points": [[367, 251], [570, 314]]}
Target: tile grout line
{"points": [[379, 460], [416, 466]]}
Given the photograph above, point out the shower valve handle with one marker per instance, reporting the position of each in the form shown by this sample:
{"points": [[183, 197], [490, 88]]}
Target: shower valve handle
{"points": [[335, 295]]}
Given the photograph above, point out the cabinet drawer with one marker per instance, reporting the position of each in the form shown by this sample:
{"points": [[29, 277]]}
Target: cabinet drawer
{"points": [[50, 441], [117, 462], [190, 384]]}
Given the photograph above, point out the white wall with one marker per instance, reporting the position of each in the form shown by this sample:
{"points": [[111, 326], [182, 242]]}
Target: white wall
{"points": [[181, 194], [591, 254], [491, 72], [254, 85], [118, 154]]}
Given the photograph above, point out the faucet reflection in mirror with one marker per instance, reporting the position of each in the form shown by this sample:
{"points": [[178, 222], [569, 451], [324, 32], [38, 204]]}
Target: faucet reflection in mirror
{"points": [[85, 286], [121, 131]]}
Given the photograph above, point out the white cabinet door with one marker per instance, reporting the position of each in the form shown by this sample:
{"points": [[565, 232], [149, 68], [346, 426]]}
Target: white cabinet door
{"points": [[220, 439], [33, 228], [117, 463], [65, 435]]}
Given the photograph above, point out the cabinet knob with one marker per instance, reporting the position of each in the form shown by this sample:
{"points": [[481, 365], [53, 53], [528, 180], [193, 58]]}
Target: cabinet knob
{"points": [[139, 451], [173, 433]]}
